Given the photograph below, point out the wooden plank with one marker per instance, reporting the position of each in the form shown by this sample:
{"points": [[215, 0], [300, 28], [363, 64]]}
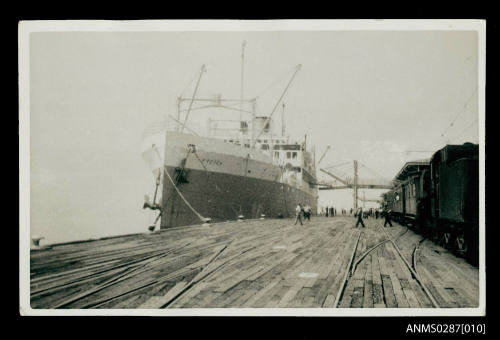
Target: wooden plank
{"points": [[357, 297], [368, 292], [335, 271], [401, 300], [329, 301], [159, 301], [388, 291], [461, 299], [253, 301], [378, 290]]}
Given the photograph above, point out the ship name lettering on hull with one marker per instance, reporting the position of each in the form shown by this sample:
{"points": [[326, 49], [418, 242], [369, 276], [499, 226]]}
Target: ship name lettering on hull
{"points": [[212, 161]]}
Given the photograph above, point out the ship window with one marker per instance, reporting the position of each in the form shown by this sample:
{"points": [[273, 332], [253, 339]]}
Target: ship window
{"points": [[265, 147], [259, 141], [277, 154], [288, 155], [294, 155], [247, 145], [230, 141], [265, 140]]}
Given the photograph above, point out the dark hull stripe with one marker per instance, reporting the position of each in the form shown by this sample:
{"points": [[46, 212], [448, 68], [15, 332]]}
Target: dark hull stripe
{"points": [[223, 197]]}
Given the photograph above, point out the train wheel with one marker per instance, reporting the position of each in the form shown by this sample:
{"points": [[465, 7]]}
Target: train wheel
{"points": [[461, 244], [446, 239]]}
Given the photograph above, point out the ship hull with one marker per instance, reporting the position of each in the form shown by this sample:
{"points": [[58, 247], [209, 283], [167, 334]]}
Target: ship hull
{"points": [[223, 197], [216, 182]]}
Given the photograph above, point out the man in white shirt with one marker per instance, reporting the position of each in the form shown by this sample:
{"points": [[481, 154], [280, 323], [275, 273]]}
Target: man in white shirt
{"points": [[298, 214]]}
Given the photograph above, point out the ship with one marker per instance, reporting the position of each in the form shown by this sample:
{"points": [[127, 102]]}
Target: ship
{"points": [[241, 168]]}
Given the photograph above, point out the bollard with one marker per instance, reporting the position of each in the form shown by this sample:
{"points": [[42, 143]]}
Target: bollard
{"points": [[36, 240], [36, 243], [240, 218], [151, 228], [262, 216]]}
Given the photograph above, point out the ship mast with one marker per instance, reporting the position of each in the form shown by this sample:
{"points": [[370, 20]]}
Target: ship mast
{"points": [[242, 77], [193, 97]]}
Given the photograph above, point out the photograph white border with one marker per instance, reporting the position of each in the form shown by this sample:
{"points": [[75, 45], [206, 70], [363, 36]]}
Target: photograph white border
{"points": [[28, 27]]}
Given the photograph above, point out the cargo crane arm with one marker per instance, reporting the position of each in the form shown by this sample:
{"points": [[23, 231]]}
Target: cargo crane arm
{"points": [[297, 68], [336, 177], [323, 155], [369, 200]]}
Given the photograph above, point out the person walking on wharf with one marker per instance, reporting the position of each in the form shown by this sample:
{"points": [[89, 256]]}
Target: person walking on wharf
{"points": [[298, 214], [387, 216], [360, 218], [307, 212]]}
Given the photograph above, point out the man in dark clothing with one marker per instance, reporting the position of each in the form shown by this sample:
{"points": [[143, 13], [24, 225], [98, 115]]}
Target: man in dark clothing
{"points": [[307, 212], [360, 218], [376, 214], [326, 212], [387, 216]]}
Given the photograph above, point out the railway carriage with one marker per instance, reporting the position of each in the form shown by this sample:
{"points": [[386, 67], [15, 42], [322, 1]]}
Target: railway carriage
{"points": [[409, 192], [439, 198], [454, 197]]}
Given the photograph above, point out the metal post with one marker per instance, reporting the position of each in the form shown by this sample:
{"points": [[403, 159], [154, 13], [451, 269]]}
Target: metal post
{"points": [[242, 74], [254, 102], [178, 113], [355, 185], [283, 121]]}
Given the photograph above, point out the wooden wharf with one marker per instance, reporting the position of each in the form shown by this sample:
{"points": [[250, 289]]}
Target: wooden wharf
{"points": [[326, 263]]}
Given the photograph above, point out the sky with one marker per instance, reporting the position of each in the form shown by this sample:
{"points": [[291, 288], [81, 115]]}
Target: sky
{"points": [[372, 96]]}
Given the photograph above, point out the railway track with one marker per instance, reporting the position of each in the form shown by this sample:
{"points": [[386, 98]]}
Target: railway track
{"points": [[352, 266], [412, 270]]}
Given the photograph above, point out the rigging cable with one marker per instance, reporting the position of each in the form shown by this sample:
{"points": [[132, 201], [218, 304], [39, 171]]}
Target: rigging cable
{"points": [[278, 79], [467, 128], [460, 112]]}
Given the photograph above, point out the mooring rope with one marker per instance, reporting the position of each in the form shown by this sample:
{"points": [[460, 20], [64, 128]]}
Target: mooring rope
{"points": [[202, 219]]}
